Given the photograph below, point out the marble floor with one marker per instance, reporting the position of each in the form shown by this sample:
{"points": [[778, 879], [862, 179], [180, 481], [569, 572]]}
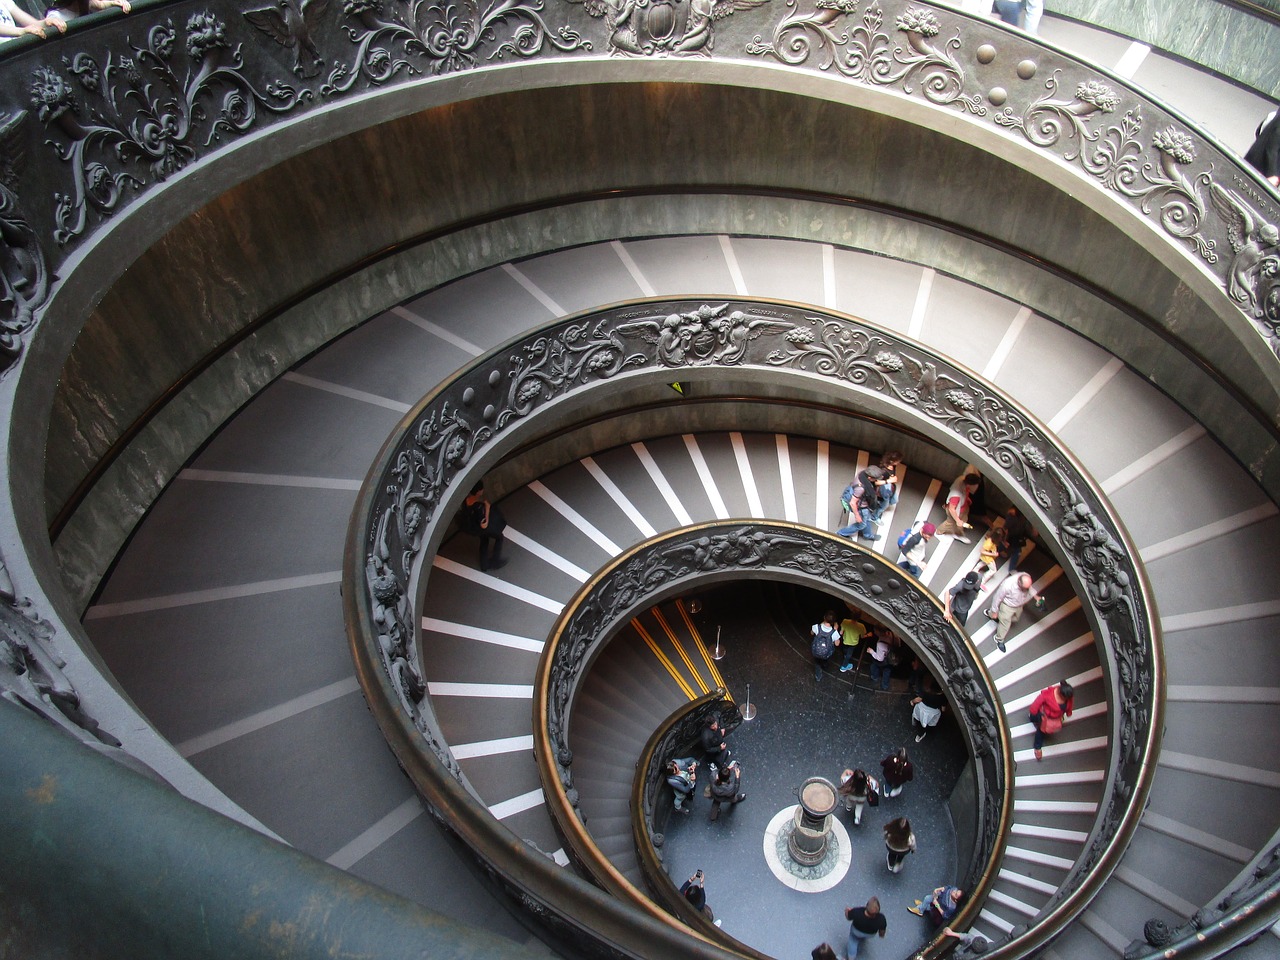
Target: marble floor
{"points": [[804, 728]]}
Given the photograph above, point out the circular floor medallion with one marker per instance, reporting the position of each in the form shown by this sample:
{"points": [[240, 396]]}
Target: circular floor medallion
{"points": [[818, 878]]}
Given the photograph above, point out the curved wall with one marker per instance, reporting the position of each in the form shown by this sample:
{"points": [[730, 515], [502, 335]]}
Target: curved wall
{"points": [[500, 165]]}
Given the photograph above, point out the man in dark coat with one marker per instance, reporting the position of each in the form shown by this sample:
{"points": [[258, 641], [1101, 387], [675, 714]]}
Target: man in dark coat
{"points": [[1265, 152]]}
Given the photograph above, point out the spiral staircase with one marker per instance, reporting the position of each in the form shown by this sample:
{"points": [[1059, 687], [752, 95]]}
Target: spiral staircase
{"points": [[483, 632], [221, 619]]}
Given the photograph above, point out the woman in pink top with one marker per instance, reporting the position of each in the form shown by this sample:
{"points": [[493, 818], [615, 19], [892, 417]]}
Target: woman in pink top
{"points": [[1050, 710]]}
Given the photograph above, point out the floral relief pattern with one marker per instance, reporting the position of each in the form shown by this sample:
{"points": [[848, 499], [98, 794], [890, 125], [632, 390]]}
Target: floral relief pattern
{"points": [[427, 473], [1117, 157], [395, 37], [869, 54], [144, 115], [130, 115]]}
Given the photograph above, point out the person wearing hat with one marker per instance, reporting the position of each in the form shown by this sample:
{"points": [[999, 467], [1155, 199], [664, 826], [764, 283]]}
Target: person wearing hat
{"points": [[913, 547], [961, 596]]}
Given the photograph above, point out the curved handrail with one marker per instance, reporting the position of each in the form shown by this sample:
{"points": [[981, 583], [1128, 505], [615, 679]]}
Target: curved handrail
{"points": [[678, 732], [216, 79], [541, 381], [674, 562], [138, 871], [1251, 907]]}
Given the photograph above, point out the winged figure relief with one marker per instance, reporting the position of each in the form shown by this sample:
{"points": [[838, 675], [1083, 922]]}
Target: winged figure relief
{"points": [[928, 379], [289, 23], [1256, 245]]}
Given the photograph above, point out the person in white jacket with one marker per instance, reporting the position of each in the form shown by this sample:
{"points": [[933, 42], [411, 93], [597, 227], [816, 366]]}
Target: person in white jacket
{"points": [[913, 547]]}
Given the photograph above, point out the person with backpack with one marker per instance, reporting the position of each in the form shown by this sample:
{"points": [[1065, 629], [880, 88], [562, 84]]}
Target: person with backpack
{"points": [[854, 500], [898, 772], [871, 480], [825, 637], [913, 542], [888, 488]]}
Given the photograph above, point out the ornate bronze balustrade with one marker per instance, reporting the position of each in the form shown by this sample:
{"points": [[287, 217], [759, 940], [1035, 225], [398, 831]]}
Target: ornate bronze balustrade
{"points": [[694, 556], [96, 123], [468, 424]]}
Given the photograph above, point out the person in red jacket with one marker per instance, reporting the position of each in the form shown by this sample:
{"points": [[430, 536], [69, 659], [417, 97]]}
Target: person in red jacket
{"points": [[1050, 710]]}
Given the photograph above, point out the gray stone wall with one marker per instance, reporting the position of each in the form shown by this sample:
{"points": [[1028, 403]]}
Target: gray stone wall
{"points": [[1224, 37]]}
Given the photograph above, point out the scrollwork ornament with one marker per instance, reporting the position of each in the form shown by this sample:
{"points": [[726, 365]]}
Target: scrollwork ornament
{"points": [[662, 28], [31, 670], [441, 36], [795, 37], [1048, 120], [25, 278], [146, 114]]}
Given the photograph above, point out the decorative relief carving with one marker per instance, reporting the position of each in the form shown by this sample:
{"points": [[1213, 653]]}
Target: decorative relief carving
{"points": [[869, 359], [286, 22], [868, 54], [1117, 157], [24, 276], [143, 113], [1253, 899], [402, 37], [30, 669], [754, 549], [647, 28], [128, 116], [1253, 276]]}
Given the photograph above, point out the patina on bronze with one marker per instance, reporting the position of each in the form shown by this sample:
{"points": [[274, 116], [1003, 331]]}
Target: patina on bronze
{"points": [[811, 827]]}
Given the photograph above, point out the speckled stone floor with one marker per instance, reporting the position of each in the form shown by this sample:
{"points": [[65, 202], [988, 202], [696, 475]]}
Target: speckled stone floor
{"points": [[805, 728]]}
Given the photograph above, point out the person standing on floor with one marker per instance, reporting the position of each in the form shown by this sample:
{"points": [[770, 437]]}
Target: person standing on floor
{"points": [[959, 502], [1014, 593], [853, 790], [851, 634], [898, 772], [926, 710], [913, 546], [713, 743], [864, 923], [725, 788], [823, 951], [882, 658], [1050, 711], [694, 891], [484, 520], [898, 841], [824, 637]]}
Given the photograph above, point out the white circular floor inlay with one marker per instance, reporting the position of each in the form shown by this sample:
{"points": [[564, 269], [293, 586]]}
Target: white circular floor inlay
{"points": [[815, 879]]}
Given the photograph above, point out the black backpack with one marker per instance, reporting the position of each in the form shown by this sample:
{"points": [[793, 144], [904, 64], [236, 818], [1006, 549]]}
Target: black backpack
{"points": [[824, 642]]}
